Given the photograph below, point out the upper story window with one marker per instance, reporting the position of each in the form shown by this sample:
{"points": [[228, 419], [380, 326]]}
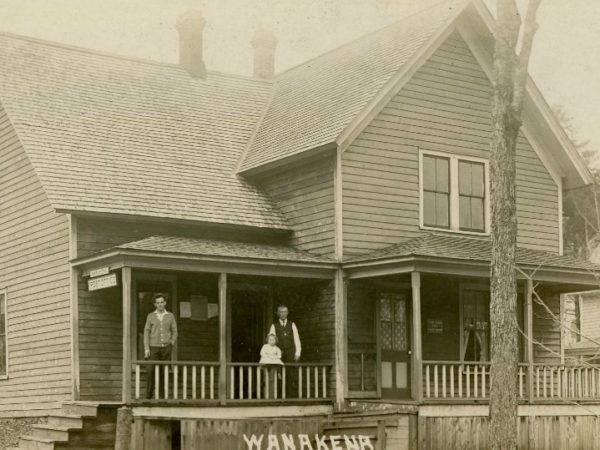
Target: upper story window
{"points": [[454, 193], [3, 327]]}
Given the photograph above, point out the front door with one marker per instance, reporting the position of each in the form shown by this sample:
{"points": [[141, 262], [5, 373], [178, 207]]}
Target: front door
{"points": [[394, 339], [248, 325]]}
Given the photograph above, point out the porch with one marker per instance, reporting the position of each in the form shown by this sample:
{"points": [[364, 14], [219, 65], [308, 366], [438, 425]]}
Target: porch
{"points": [[423, 337], [224, 310], [406, 330]]}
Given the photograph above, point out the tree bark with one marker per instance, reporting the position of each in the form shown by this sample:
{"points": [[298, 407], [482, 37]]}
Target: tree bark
{"points": [[509, 87]]}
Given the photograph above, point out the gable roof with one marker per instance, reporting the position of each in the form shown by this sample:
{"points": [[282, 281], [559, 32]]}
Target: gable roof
{"points": [[116, 135], [312, 104], [326, 102]]}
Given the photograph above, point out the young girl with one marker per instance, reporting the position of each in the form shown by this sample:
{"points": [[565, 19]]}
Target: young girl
{"points": [[270, 353]]}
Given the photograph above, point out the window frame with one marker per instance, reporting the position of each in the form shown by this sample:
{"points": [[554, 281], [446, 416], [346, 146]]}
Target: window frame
{"points": [[4, 298], [454, 210]]}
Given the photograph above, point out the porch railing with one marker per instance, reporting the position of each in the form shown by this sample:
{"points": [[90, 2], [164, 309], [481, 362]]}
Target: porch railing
{"points": [[466, 380], [456, 380], [177, 380], [566, 381], [252, 381], [181, 381]]}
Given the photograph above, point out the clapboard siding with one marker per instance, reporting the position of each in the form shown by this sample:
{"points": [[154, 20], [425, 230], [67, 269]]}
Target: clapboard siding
{"points": [[100, 343], [445, 107], [590, 316], [315, 319], [95, 234], [305, 196], [546, 328], [34, 268], [362, 339]]}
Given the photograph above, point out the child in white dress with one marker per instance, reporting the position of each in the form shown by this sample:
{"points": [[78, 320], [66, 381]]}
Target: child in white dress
{"points": [[270, 353], [270, 359]]}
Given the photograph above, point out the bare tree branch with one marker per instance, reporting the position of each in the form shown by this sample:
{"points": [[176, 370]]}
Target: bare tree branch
{"points": [[530, 27]]}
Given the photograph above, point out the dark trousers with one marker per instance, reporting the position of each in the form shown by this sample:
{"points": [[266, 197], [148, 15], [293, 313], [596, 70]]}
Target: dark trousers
{"points": [[157, 354], [291, 373]]}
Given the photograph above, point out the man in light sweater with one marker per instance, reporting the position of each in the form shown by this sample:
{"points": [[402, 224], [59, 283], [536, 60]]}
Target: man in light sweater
{"points": [[160, 334]]}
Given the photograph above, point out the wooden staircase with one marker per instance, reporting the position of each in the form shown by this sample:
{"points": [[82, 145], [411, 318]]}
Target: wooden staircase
{"points": [[78, 426], [384, 430]]}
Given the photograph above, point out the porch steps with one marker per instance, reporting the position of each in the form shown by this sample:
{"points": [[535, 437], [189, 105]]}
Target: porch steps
{"points": [[78, 426]]}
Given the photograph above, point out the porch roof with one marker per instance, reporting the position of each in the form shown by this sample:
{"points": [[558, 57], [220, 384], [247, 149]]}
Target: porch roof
{"points": [[468, 249], [194, 251], [214, 247]]}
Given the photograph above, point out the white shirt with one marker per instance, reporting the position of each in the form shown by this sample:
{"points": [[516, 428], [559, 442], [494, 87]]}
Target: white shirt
{"points": [[294, 332]]}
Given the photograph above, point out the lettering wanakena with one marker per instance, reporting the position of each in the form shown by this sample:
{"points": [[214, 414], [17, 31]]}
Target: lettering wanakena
{"points": [[304, 442]]}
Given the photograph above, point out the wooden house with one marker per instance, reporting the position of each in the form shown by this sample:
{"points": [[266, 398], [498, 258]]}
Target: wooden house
{"points": [[354, 188]]}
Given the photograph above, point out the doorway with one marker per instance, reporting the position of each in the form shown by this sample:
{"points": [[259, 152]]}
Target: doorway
{"points": [[248, 325], [395, 343]]}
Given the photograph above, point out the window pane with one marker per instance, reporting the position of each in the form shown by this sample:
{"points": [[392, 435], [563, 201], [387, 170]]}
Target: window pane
{"points": [[428, 173], [477, 215], [441, 210], [429, 208], [2, 305], [442, 169], [465, 213], [464, 178], [477, 180]]}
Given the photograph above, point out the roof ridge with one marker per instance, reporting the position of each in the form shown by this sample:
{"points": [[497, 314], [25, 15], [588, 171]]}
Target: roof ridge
{"points": [[136, 59], [370, 33]]}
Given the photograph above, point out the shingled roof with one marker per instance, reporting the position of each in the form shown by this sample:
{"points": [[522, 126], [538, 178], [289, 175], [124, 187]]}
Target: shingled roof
{"points": [[312, 104], [467, 248], [219, 248], [124, 136]]}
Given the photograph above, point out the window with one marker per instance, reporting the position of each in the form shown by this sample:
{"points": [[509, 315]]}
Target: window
{"points": [[3, 327], [436, 191], [471, 194], [454, 193]]}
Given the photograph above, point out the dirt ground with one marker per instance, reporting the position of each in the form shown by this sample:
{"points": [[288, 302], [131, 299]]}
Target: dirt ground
{"points": [[11, 429]]}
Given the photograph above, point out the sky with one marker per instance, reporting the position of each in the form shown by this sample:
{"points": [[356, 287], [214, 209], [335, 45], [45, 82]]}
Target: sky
{"points": [[565, 61]]}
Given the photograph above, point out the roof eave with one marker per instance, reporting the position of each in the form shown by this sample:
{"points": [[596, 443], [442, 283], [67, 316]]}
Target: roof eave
{"points": [[277, 229], [455, 266], [117, 258], [304, 157], [545, 114]]}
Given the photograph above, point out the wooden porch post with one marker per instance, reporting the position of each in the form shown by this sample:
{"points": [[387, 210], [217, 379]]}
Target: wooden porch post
{"points": [[126, 284], [417, 353], [341, 343], [529, 336], [222, 338]]}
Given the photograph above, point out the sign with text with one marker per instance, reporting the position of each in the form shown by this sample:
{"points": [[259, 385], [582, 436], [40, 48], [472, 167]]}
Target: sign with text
{"points": [[99, 272], [103, 282]]}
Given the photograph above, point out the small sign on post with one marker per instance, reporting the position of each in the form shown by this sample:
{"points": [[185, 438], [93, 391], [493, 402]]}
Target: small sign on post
{"points": [[103, 282]]}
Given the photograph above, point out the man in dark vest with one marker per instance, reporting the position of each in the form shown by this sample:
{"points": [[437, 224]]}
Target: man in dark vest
{"points": [[288, 340]]}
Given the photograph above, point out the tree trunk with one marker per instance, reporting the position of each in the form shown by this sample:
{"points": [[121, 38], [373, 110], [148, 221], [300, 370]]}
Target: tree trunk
{"points": [[509, 83]]}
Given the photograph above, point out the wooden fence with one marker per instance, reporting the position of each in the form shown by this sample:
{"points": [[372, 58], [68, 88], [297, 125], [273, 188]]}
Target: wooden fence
{"points": [[535, 433]]}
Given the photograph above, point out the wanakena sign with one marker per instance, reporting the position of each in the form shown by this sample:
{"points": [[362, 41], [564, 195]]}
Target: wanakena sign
{"points": [[307, 442]]}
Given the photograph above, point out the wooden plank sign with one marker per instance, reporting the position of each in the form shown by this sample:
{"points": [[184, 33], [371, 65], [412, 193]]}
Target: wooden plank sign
{"points": [[103, 282]]}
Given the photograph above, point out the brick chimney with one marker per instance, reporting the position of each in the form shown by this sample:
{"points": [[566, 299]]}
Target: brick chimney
{"points": [[264, 43], [190, 26]]}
